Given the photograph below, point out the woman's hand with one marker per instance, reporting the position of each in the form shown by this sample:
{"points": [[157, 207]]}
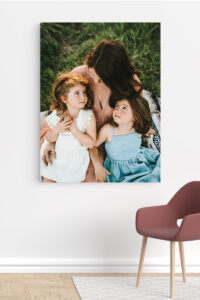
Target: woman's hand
{"points": [[151, 131], [49, 151], [100, 173]]}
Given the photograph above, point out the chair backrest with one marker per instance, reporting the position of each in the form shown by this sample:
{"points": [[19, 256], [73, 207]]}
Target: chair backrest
{"points": [[187, 200]]}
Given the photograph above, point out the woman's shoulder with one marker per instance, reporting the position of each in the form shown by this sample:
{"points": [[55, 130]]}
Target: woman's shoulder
{"points": [[83, 70], [79, 69]]}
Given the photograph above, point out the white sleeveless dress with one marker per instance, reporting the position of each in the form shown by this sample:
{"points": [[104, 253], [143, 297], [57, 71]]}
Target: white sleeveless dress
{"points": [[72, 158]]}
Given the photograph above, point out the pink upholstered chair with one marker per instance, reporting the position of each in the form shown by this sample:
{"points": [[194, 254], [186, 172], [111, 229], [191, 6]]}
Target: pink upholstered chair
{"points": [[160, 222]]}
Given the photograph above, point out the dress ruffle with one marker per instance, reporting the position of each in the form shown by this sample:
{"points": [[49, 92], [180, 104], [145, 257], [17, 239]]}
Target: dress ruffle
{"points": [[144, 168]]}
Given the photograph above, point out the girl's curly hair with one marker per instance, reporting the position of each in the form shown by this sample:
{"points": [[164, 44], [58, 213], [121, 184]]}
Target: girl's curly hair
{"points": [[62, 85], [141, 114]]}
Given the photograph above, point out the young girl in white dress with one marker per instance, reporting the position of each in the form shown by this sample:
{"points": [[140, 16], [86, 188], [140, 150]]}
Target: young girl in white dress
{"points": [[73, 129]]}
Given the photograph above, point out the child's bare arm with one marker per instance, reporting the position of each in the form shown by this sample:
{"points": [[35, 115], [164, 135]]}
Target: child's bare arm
{"points": [[89, 137], [104, 135], [100, 171]]}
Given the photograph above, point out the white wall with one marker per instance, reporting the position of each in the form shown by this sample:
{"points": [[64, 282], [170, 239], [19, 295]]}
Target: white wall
{"points": [[91, 227]]}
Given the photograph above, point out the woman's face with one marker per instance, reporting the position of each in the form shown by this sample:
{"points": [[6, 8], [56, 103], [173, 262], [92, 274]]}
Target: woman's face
{"points": [[122, 112], [94, 75]]}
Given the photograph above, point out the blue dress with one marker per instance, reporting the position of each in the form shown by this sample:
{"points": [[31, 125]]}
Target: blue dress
{"points": [[128, 161]]}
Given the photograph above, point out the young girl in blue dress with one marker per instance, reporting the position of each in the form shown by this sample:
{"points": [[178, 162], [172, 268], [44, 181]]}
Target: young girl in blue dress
{"points": [[126, 160]]}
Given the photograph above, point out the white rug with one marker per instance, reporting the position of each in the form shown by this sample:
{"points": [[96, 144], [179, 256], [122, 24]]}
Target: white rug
{"points": [[123, 288]]}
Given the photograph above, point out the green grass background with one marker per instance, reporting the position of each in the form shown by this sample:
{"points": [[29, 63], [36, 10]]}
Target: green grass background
{"points": [[65, 46]]}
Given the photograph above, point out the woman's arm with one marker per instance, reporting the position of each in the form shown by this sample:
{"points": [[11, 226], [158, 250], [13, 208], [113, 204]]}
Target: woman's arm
{"points": [[102, 136], [100, 171], [135, 77], [52, 135], [44, 127], [49, 151], [135, 86], [89, 137]]}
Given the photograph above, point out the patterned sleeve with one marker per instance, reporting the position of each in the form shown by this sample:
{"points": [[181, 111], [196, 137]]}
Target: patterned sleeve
{"points": [[154, 141], [52, 119], [86, 118], [89, 117]]}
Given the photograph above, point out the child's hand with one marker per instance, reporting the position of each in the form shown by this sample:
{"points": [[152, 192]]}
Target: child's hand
{"points": [[71, 125], [100, 173], [151, 131], [62, 125]]}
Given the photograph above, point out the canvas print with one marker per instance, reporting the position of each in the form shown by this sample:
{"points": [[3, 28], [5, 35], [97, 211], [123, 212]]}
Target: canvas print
{"points": [[100, 102]]}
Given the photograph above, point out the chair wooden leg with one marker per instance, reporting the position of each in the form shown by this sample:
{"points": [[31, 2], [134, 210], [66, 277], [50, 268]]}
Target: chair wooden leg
{"points": [[182, 257], [172, 267], [144, 243]]}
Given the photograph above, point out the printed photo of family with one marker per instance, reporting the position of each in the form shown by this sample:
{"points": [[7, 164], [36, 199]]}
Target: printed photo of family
{"points": [[100, 102]]}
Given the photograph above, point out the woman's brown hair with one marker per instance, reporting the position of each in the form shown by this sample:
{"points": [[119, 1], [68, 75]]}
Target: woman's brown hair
{"points": [[141, 114], [62, 85], [112, 64]]}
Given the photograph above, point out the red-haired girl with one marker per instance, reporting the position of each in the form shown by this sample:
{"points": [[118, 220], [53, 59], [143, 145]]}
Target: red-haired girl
{"points": [[72, 127]]}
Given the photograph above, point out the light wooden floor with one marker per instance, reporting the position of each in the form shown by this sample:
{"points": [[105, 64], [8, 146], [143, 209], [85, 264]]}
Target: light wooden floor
{"points": [[46, 286]]}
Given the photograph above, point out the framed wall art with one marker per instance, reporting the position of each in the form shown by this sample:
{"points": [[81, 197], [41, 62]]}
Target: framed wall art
{"points": [[100, 102]]}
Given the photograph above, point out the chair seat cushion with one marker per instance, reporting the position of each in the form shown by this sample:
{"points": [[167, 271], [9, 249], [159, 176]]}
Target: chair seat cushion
{"points": [[162, 233]]}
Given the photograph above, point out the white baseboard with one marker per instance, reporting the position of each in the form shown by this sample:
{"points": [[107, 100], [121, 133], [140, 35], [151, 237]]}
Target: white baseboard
{"points": [[156, 265]]}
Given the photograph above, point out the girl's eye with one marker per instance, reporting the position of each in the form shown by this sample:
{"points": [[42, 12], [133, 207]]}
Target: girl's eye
{"points": [[124, 108], [76, 93]]}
